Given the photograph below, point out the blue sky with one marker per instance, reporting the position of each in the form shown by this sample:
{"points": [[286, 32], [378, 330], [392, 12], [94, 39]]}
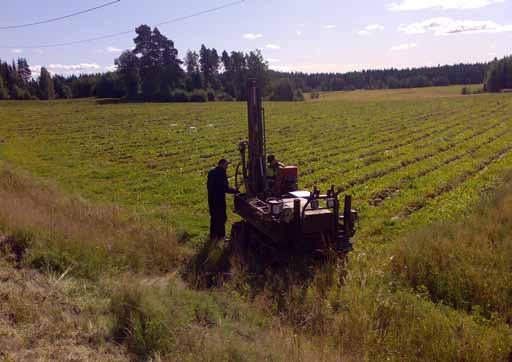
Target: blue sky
{"points": [[303, 35]]}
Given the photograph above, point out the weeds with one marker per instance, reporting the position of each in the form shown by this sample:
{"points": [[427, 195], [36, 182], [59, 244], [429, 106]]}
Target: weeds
{"points": [[58, 232], [467, 264]]}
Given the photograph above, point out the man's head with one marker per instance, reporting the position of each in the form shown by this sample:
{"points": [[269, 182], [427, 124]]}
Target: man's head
{"points": [[223, 164], [271, 159]]}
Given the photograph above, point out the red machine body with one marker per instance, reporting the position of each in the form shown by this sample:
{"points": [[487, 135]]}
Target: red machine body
{"points": [[286, 180]]}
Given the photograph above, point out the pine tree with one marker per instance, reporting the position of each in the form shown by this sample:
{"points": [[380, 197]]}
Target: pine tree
{"points": [[257, 68], [172, 72], [160, 67], [3, 89], [239, 67], [227, 76], [13, 81], [149, 61], [194, 80], [46, 89], [62, 90], [24, 71], [192, 61], [210, 62]]}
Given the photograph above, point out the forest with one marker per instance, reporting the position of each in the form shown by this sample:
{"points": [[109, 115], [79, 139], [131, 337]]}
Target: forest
{"points": [[154, 71]]}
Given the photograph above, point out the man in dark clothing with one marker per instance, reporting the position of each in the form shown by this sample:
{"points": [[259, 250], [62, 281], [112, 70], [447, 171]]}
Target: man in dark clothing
{"points": [[218, 187]]}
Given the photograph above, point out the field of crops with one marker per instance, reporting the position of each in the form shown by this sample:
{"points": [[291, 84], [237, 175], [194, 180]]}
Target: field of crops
{"points": [[407, 158]]}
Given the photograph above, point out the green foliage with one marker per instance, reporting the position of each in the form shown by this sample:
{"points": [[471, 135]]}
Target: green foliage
{"points": [[198, 95], [209, 63], [108, 86], [299, 96], [169, 321], [225, 97], [180, 95], [165, 94], [389, 78], [3, 89], [129, 73], [210, 93], [314, 95], [53, 253], [451, 261], [24, 71], [499, 75], [62, 90], [82, 86], [142, 322], [159, 65], [283, 90], [194, 79], [46, 85]]}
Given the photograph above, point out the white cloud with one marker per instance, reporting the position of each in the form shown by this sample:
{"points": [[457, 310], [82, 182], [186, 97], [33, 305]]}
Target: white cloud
{"points": [[273, 60], [17, 51], [370, 29], [375, 27], [110, 68], [405, 5], [252, 36], [406, 46], [330, 26], [38, 51], [305, 67], [448, 26], [281, 68], [114, 50], [272, 46], [298, 32], [74, 67], [354, 66], [35, 69]]}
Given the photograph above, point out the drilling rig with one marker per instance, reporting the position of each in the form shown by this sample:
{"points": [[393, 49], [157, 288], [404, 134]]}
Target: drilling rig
{"points": [[276, 214]]}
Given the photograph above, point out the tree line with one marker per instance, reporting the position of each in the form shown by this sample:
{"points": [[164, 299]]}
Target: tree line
{"points": [[153, 71], [388, 78], [17, 82], [499, 75]]}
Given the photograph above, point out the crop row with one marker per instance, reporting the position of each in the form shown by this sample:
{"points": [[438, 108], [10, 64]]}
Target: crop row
{"points": [[434, 184], [380, 169]]}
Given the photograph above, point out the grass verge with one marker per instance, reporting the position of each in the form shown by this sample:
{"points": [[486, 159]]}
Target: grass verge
{"points": [[63, 233]]}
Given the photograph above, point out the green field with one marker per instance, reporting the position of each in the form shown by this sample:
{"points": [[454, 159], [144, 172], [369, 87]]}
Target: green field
{"points": [[412, 290], [407, 156]]}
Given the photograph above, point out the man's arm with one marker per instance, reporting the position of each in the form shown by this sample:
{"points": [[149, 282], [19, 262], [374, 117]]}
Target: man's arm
{"points": [[228, 189]]}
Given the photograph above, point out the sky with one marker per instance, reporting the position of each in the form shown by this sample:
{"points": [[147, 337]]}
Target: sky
{"points": [[293, 35]]}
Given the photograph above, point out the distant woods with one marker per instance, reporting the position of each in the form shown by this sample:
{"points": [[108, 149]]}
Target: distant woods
{"points": [[154, 71], [499, 75], [389, 78]]}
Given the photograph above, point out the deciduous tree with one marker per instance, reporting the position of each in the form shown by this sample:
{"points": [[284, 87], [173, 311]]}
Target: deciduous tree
{"points": [[129, 73]]}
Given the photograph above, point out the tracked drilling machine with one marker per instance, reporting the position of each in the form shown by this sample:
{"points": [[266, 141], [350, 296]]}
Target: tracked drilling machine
{"points": [[276, 214]]}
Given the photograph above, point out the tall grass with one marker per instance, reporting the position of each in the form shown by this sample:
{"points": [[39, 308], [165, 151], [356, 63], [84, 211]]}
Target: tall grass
{"points": [[172, 323], [467, 264], [371, 318], [63, 232]]}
